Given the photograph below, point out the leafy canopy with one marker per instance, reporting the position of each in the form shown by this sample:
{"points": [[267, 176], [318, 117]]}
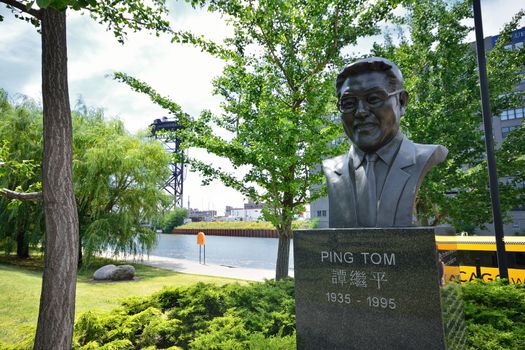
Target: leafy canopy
{"points": [[21, 222], [172, 219], [278, 96], [118, 185], [440, 73], [118, 179], [119, 16]]}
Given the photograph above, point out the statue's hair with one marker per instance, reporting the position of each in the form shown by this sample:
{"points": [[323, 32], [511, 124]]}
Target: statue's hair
{"points": [[374, 64]]}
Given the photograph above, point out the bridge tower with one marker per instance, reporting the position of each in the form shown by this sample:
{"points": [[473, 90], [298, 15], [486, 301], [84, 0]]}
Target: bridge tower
{"points": [[160, 130]]}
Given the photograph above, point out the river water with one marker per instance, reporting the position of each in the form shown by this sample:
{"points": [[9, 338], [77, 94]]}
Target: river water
{"points": [[249, 252]]}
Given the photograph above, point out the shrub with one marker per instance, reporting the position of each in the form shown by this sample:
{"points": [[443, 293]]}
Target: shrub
{"points": [[258, 342], [261, 316], [267, 308], [202, 316], [134, 305], [195, 307], [224, 332], [495, 315]]}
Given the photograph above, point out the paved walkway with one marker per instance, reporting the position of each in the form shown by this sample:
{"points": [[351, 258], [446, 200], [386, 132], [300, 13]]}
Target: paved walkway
{"points": [[187, 266]]}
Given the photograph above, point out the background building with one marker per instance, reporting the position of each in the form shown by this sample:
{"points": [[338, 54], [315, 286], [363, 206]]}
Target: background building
{"points": [[250, 212], [197, 215]]}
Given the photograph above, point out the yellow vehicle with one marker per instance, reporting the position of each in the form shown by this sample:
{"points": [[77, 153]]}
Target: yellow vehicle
{"points": [[473, 251]]}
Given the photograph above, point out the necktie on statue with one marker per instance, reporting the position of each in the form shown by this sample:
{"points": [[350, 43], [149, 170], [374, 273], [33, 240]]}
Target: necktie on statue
{"points": [[367, 193]]}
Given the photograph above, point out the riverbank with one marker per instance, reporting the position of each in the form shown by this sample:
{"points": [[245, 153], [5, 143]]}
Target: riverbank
{"points": [[259, 233], [191, 267], [251, 259]]}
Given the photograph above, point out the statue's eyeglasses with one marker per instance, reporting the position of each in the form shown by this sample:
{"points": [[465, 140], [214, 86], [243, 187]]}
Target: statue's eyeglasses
{"points": [[375, 99]]}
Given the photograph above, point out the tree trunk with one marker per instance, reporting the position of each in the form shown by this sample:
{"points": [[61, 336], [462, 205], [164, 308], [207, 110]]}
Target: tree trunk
{"points": [[283, 252], [22, 246], [57, 301], [79, 265]]}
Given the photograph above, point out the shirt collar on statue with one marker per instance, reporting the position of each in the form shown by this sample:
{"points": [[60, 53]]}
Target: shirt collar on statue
{"points": [[385, 153]]}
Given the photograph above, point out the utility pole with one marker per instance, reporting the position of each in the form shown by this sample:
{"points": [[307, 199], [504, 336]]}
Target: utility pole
{"points": [[489, 143]]}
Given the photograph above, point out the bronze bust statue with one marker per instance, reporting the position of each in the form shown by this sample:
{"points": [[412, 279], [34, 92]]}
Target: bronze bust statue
{"points": [[376, 183]]}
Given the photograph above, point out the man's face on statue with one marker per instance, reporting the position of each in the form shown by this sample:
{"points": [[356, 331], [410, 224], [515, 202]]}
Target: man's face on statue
{"points": [[370, 110]]}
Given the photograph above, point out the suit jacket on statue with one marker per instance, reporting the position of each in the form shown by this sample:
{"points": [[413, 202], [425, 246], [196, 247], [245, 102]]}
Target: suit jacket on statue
{"points": [[396, 203]]}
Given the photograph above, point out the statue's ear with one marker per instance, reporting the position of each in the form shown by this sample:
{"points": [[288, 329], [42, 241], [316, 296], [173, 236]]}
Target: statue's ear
{"points": [[403, 101]]}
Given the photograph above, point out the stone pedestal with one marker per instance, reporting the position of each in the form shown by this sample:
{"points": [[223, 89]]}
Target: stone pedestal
{"points": [[375, 289]]}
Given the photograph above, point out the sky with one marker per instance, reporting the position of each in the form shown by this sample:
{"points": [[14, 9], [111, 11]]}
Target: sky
{"points": [[182, 73]]}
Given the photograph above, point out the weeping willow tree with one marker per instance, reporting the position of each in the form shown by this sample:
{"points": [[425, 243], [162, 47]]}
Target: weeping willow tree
{"points": [[21, 222], [118, 181]]}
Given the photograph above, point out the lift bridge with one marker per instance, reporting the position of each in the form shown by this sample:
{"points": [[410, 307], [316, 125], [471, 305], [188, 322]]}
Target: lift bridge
{"points": [[160, 130]]}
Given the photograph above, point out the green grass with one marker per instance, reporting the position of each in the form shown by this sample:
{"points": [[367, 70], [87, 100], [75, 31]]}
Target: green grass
{"points": [[20, 283]]}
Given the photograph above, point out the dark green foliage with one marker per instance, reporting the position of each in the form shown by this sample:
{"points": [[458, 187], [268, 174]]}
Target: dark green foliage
{"points": [[495, 315], [440, 73], [262, 316], [255, 304], [511, 161], [21, 222], [118, 179], [173, 219], [203, 316], [117, 16]]}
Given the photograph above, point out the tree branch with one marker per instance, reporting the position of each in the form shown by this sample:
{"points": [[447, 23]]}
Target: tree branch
{"points": [[320, 65], [276, 59], [306, 181], [23, 196], [23, 8]]}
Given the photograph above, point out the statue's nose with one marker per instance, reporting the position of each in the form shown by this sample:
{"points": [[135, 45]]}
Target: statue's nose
{"points": [[361, 109]]}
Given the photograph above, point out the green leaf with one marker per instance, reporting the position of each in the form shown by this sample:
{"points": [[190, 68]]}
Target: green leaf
{"points": [[276, 97], [29, 5], [43, 3], [444, 108], [61, 5]]}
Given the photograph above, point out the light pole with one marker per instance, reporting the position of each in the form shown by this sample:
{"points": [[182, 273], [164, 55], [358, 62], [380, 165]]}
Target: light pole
{"points": [[489, 143]]}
